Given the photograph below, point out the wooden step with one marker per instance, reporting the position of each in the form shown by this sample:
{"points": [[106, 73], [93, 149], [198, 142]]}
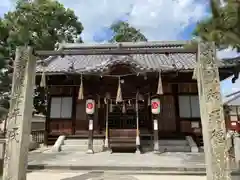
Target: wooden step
{"points": [[122, 145], [116, 140]]}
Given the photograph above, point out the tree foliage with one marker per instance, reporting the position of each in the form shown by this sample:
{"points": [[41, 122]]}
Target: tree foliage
{"points": [[41, 24], [123, 32], [223, 26]]}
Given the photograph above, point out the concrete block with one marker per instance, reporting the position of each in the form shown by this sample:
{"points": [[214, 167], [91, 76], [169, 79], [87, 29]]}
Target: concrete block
{"points": [[192, 144], [33, 145]]}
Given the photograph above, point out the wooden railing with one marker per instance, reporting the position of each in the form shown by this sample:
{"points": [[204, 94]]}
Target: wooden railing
{"points": [[38, 135]]}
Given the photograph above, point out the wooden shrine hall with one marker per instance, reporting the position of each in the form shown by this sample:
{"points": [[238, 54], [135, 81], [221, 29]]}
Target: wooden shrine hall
{"points": [[123, 87]]}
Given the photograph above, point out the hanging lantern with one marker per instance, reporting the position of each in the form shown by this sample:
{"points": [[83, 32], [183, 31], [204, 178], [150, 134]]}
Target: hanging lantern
{"points": [[111, 106], [160, 87], [80, 93], [119, 92], [43, 77]]}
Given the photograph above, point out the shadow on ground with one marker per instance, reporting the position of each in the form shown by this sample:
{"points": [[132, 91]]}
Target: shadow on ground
{"points": [[100, 176]]}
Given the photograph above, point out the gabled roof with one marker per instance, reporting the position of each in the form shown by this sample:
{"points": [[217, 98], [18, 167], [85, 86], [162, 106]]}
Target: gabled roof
{"points": [[232, 99], [98, 63]]}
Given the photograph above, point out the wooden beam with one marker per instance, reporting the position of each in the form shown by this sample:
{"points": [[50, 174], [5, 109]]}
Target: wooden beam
{"points": [[122, 45], [115, 51]]}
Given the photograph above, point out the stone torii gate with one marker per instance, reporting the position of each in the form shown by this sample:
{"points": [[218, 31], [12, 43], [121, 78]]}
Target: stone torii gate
{"points": [[206, 72]]}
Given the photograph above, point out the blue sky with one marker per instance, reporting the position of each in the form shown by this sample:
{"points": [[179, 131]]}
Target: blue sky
{"points": [[156, 19]]}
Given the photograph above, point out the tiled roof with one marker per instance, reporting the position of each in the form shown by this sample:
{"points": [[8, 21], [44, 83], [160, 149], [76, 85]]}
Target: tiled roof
{"points": [[82, 63], [233, 100]]}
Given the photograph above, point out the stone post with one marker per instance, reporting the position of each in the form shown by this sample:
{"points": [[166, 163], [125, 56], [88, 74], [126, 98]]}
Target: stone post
{"points": [[20, 114], [155, 128], [236, 143], [212, 116], [90, 135]]}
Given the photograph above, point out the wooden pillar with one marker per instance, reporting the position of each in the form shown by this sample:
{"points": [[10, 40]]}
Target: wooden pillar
{"points": [[20, 115], [137, 124], [47, 121], [106, 143], [74, 108], [212, 116], [176, 104]]}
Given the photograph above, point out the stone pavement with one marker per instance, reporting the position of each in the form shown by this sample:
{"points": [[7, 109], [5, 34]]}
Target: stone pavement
{"points": [[116, 161], [181, 162], [91, 175]]}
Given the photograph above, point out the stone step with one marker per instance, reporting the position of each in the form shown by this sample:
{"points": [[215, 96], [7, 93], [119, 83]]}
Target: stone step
{"points": [[74, 148], [167, 142], [82, 142], [175, 148], [173, 142], [80, 148]]}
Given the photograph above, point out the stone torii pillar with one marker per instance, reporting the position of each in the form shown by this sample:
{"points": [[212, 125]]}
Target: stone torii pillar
{"points": [[212, 114], [20, 114]]}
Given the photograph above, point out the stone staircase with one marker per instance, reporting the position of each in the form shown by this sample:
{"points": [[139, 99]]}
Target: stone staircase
{"points": [[168, 146], [174, 146], [81, 145]]}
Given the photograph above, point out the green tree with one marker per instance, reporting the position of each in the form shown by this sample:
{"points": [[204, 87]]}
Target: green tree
{"points": [[41, 24], [223, 26], [123, 32]]}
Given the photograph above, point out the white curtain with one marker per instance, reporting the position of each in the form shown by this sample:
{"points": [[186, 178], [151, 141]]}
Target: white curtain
{"points": [[184, 107], [195, 107], [61, 107], [189, 107]]}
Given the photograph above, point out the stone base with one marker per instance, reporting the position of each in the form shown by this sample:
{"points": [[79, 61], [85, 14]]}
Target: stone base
{"points": [[90, 151], [106, 145], [138, 150], [156, 147], [106, 149]]}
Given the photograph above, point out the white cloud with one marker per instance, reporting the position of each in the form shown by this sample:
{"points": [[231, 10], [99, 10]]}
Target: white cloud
{"points": [[5, 6], [157, 19], [227, 53]]}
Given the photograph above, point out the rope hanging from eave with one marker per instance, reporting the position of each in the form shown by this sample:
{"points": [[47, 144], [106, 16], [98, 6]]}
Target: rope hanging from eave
{"points": [[111, 106], [160, 86], [80, 92], [119, 92], [195, 71], [43, 77], [124, 108]]}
